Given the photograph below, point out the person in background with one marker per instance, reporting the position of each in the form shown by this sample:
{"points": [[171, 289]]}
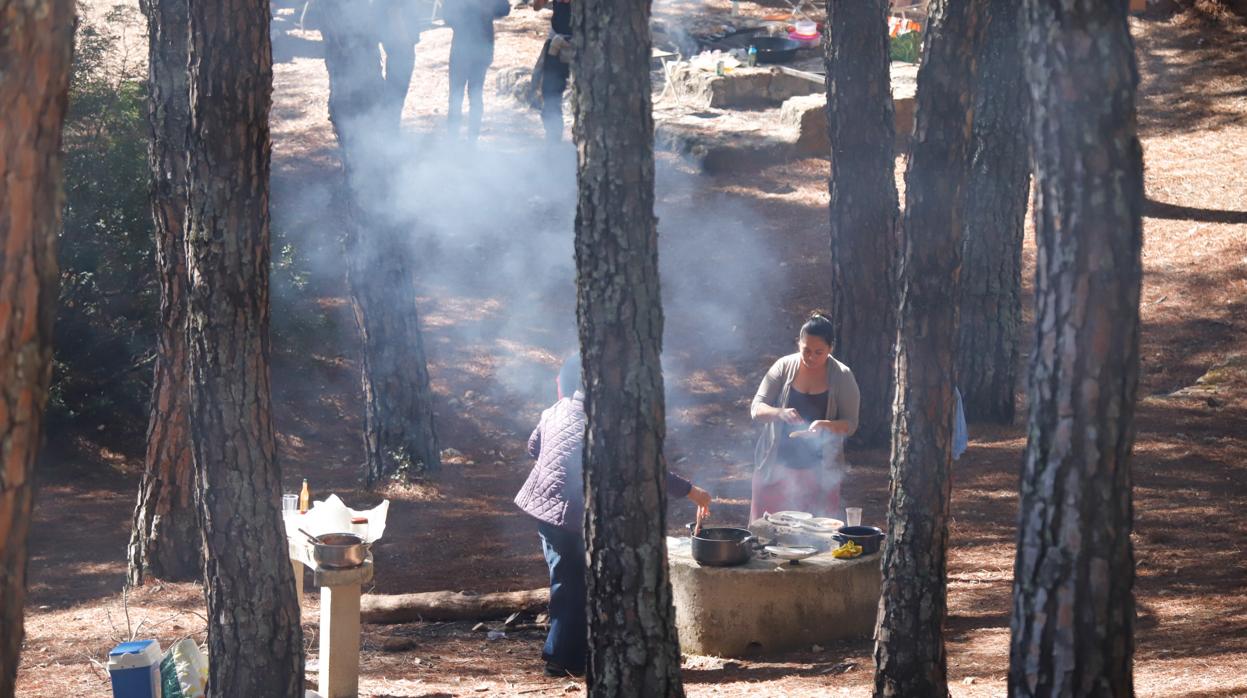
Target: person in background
{"points": [[471, 53], [554, 495], [808, 405], [554, 68]]}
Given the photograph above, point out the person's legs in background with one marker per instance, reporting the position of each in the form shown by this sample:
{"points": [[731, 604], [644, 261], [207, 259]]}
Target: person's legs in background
{"points": [[476, 91], [553, 83], [458, 81], [399, 41], [567, 643]]}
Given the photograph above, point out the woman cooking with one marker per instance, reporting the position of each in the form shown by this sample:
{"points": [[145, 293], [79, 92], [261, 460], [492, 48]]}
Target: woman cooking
{"points": [[808, 405]]}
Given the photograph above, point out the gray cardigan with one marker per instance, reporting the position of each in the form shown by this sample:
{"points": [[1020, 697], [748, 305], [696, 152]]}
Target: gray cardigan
{"points": [[843, 401]]}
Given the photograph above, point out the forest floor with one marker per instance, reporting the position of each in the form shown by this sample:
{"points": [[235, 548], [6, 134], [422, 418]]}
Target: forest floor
{"points": [[744, 258]]}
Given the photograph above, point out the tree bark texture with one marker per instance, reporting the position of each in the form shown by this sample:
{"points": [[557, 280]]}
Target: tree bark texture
{"points": [[909, 652], [1073, 601], [164, 537], [399, 432], [863, 204], [255, 640], [991, 269], [36, 38], [633, 646]]}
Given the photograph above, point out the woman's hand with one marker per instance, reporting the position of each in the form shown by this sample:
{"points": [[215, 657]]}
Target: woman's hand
{"points": [[701, 498], [789, 415], [834, 426]]}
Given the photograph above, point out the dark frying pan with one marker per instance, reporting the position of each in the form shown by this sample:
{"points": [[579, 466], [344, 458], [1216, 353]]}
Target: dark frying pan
{"points": [[775, 49]]}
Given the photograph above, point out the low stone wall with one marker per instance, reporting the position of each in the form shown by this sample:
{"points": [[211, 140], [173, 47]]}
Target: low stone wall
{"points": [[748, 118], [743, 88], [770, 605]]}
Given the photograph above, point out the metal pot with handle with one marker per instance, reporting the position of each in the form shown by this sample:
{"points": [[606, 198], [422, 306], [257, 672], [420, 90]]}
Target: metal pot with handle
{"points": [[868, 537], [339, 550], [722, 547]]}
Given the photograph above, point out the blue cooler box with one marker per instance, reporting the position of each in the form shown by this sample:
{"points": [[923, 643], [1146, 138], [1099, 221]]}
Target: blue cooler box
{"points": [[135, 669]]}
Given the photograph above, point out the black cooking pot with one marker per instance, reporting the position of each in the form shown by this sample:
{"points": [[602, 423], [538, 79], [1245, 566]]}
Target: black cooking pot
{"points": [[722, 547], [868, 537], [775, 49]]}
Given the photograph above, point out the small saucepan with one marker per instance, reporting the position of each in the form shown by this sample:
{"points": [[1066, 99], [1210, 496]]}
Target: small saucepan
{"points": [[722, 547], [868, 537], [339, 550]]}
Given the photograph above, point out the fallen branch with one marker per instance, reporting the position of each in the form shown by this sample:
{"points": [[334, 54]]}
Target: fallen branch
{"points": [[449, 605]]}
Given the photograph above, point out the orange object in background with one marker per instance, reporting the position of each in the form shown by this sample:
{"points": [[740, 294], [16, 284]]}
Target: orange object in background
{"points": [[899, 26], [1138, 6], [305, 498]]}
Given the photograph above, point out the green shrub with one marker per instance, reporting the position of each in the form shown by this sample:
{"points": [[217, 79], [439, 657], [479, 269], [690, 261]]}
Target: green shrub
{"points": [[109, 298], [107, 320], [906, 47]]}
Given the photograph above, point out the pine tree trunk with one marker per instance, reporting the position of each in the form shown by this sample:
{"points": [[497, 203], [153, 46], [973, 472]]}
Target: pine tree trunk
{"points": [[991, 269], [36, 37], [164, 537], [863, 204], [399, 432], [1073, 602], [909, 653], [633, 647], [255, 641]]}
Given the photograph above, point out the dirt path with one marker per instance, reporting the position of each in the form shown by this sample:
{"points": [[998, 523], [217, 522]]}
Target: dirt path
{"points": [[743, 259]]}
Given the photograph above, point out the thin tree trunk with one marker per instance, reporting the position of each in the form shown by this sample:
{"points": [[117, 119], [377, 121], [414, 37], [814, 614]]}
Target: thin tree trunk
{"points": [[255, 640], [399, 433], [36, 38], [633, 647], [909, 653], [991, 270], [1073, 600], [164, 536], [863, 204]]}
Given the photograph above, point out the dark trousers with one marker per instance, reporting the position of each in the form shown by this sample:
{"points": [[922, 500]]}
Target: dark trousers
{"points": [[469, 60], [553, 82], [567, 643]]}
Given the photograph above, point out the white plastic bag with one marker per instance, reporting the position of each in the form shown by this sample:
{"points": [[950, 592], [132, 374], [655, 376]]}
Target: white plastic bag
{"points": [[330, 515]]}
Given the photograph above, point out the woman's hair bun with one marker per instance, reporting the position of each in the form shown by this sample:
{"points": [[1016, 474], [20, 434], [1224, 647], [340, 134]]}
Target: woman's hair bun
{"points": [[819, 325]]}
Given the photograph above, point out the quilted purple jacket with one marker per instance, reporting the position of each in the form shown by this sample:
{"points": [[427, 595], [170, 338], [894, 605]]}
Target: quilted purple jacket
{"points": [[554, 490]]}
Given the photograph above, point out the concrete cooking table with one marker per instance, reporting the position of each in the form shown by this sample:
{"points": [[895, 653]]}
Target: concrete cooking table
{"points": [[340, 591], [769, 605]]}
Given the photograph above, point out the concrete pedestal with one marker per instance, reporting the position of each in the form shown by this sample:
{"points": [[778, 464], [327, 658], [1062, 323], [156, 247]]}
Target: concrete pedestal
{"points": [[339, 629], [771, 605], [339, 619]]}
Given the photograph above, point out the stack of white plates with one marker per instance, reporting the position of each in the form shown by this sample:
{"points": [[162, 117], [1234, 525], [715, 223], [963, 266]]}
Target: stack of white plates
{"points": [[793, 519], [821, 524]]}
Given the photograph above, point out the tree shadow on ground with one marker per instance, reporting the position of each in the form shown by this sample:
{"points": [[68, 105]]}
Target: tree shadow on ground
{"points": [[1160, 209]]}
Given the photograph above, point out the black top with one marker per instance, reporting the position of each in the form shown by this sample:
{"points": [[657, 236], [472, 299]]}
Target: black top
{"points": [[561, 21], [805, 452]]}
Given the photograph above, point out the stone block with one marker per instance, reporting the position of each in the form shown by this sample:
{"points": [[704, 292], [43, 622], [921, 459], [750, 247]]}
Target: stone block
{"points": [[808, 115]]}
